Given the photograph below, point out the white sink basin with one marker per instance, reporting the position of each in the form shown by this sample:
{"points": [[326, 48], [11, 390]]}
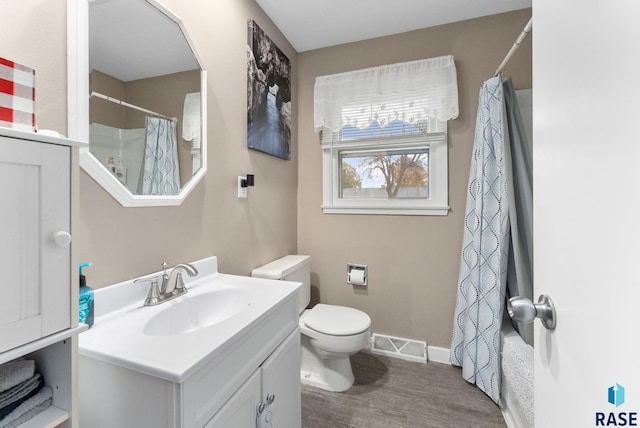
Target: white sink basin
{"points": [[185, 315], [174, 339]]}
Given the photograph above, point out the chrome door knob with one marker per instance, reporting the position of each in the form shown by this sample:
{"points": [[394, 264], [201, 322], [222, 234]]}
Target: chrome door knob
{"points": [[524, 310]]}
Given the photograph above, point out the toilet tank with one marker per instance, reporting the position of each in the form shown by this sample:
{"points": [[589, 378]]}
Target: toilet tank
{"points": [[290, 268]]}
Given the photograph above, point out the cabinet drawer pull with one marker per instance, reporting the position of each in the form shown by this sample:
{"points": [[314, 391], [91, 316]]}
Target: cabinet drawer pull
{"points": [[260, 408], [271, 398]]}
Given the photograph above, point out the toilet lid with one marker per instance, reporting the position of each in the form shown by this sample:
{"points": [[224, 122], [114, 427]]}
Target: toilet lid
{"points": [[336, 320]]}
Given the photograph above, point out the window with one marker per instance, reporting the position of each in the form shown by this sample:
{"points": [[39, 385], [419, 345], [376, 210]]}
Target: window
{"points": [[401, 173], [386, 175], [385, 150]]}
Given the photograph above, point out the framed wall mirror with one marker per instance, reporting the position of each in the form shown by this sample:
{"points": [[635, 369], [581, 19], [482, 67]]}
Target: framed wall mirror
{"points": [[137, 93]]}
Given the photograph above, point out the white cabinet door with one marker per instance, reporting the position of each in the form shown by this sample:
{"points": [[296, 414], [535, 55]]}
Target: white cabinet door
{"points": [[281, 384], [35, 285], [240, 410], [276, 384]]}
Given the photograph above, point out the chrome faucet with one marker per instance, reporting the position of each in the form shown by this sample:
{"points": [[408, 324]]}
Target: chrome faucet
{"points": [[172, 284]]}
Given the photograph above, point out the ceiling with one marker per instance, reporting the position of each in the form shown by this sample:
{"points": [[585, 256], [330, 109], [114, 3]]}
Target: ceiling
{"points": [[316, 24], [131, 40]]}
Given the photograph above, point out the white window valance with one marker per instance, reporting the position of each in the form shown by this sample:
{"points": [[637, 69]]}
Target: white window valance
{"points": [[412, 92]]}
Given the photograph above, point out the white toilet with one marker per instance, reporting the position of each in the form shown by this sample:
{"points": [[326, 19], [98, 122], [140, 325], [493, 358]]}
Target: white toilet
{"points": [[330, 334]]}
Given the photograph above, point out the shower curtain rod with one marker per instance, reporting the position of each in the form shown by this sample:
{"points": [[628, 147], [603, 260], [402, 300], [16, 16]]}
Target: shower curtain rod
{"points": [[126, 104], [516, 45]]}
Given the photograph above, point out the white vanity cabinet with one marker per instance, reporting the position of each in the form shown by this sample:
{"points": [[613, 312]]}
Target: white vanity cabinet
{"points": [[38, 301], [113, 396], [214, 376]]}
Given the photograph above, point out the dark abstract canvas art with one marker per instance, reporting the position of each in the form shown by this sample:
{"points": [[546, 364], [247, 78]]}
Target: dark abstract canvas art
{"points": [[268, 95]]}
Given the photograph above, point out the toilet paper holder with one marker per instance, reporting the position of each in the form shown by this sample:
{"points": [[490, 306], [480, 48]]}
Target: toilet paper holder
{"points": [[357, 274]]}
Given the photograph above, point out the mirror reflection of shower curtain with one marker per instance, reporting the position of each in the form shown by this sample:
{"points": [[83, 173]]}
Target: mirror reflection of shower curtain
{"points": [[160, 174]]}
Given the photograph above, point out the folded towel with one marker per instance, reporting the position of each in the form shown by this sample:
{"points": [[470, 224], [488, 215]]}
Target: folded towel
{"points": [[29, 408], [14, 372], [30, 414], [15, 396]]}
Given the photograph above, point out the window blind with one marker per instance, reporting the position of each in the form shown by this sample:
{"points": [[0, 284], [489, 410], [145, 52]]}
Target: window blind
{"points": [[388, 97]]}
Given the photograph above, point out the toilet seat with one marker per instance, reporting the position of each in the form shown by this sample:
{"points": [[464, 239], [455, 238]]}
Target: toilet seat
{"points": [[329, 343], [336, 320]]}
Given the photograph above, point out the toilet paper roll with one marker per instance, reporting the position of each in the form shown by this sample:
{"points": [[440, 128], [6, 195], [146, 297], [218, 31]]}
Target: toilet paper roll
{"points": [[358, 277]]}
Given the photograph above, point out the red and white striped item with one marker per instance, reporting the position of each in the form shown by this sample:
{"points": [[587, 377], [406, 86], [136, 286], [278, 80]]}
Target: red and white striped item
{"points": [[17, 96]]}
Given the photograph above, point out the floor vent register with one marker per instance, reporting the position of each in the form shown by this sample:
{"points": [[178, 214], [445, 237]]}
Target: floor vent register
{"points": [[406, 349]]}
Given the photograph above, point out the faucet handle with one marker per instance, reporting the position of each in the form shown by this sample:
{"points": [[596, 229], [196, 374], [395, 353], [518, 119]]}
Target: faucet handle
{"points": [[153, 297], [180, 284]]}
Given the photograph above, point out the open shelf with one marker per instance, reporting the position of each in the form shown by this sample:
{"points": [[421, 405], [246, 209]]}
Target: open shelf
{"points": [[50, 418], [53, 359]]}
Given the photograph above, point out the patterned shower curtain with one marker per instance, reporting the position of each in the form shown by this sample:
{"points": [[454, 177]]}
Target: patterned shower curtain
{"points": [[475, 345], [160, 174]]}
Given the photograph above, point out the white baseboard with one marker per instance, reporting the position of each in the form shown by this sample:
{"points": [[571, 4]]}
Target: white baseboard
{"points": [[438, 355]]}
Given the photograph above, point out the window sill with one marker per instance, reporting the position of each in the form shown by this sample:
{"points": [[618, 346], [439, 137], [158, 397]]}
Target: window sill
{"points": [[435, 211]]}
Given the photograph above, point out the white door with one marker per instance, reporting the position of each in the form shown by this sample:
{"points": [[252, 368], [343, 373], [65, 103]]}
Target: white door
{"points": [[586, 145]]}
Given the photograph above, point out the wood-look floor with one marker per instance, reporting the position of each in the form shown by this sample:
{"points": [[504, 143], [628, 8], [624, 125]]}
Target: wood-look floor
{"points": [[393, 393]]}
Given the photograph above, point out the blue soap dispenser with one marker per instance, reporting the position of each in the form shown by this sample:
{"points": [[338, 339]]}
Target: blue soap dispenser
{"points": [[85, 305]]}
